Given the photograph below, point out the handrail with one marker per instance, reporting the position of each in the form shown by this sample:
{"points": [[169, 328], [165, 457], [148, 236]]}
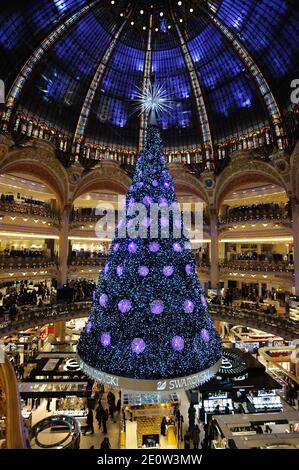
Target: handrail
{"points": [[29, 209], [16, 262], [271, 323], [257, 265], [15, 435]]}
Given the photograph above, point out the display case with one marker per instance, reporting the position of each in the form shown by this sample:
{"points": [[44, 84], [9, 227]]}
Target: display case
{"points": [[54, 389], [80, 415], [264, 400], [220, 399]]}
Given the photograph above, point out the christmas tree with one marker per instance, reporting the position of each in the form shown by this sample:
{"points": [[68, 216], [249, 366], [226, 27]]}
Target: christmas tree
{"points": [[149, 322]]}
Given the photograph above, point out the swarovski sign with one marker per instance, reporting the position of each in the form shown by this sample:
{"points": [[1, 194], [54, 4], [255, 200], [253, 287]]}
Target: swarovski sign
{"points": [[144, 385]]}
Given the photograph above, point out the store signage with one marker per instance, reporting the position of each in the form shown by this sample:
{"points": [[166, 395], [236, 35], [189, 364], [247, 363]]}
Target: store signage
{"points": [[232, 366], [140, 385]]}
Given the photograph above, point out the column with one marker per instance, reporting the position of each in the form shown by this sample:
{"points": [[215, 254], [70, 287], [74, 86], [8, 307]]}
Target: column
{"points": [[64, 245], [295, 213], [60, 330], [214, 258]]}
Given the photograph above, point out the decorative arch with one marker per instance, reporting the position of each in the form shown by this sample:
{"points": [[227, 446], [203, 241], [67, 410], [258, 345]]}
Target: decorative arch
{"points": [[244, 170], [39, 161], [107, 176], [184, 181]]}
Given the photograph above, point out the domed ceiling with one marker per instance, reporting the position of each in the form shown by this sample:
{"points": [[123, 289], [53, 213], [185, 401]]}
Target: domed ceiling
{"points": [[76, 65]]}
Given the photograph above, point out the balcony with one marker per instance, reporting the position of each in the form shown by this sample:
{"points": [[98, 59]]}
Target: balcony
{"points": [[95, 261], [33, 210], [257, 266], [33, 316], [10, 263], [259, 212]]}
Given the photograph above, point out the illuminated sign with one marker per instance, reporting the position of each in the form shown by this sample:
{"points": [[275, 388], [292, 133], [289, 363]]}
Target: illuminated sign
{"points": [[140, 385]]}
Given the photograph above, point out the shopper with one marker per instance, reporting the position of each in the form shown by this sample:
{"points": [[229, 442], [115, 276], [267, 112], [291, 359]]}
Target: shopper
{"points": [[89, 422], [191, 415], [105, 444], [105, 419], [187, 439], [196, 436], [112, 406], [163, 426], [99, 415], [49, 404]]}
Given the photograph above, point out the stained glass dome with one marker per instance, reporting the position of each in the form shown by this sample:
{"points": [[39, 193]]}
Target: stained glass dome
{"points": [[76, 66]]}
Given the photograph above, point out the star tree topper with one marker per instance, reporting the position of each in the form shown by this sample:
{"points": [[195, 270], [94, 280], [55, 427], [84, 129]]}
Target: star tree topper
{"points": [[154, 101]]}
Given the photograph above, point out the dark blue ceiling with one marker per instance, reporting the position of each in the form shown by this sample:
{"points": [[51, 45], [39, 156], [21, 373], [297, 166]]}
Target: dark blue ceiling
{"points": [[55, 91]]}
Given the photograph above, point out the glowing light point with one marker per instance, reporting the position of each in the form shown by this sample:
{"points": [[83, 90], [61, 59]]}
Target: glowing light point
{"points": [[103, 300], [105, 339], [177, 343], [124, 305], [157, 307], [138, 345]]}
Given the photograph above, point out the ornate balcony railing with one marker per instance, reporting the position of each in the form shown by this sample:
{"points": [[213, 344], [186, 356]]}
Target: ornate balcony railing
{"points": [[270, 323], [258, 266], [12, 263], [29, 209], [97, 261], [255, 215]]}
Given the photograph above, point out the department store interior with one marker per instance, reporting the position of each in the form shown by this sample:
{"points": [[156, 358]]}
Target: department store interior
{"points": [[70, 137]]}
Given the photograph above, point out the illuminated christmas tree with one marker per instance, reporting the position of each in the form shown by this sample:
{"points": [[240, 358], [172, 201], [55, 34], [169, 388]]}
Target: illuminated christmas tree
{"points": [[149, 321]]}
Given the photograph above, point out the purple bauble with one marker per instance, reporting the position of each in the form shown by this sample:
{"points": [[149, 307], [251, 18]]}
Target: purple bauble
{"points": [[164, 221], [131, 188], [163, 201], [147, 200], [105, 339], [116, 247], [205, 335], [138, 345], [177, 247], [153, 171], [103, 300], [131, 201], [188, 306], [177, 343], [154, 247], [147, 222], [166, 184], [157, 307], [155, 183], [88, 327], [120, 270], [143, 271], [132, 247], [203, 300], [168, 271], [141, 184], [124, 305], [106, 268], [188, 269]]}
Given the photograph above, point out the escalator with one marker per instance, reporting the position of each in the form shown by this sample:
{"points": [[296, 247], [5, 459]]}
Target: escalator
{"points": [[10, 408]]}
